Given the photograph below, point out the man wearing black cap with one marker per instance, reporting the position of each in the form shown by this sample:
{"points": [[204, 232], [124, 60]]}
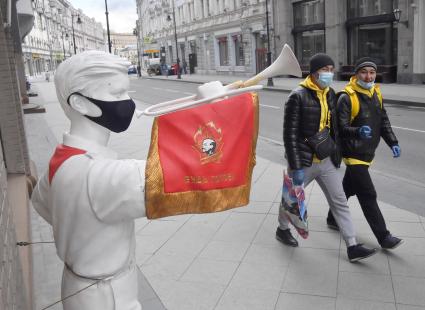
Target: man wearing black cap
{"points": [[362, 121], [310, 113]]}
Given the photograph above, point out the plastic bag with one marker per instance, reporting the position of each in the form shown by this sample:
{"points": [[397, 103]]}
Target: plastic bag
{"points": [[293, 205]]}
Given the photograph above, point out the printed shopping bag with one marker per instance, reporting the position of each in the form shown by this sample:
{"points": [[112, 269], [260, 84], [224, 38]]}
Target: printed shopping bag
{"points": [[293, 205], [201, 159]]}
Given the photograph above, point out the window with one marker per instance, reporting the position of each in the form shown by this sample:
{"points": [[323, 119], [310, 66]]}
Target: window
{"points": [[378, 41], [362, 8], [309, 43], [309, 13], [309, 29], [223, 51], [239, 54]]}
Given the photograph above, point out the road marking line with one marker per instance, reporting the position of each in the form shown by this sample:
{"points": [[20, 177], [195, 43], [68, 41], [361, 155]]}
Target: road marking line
{"points": [[186, 93], [409, 129], [269, 106], [131, 91]]}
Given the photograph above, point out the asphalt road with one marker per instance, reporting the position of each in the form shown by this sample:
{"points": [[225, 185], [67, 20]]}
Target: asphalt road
{"points": [[399, 182]]}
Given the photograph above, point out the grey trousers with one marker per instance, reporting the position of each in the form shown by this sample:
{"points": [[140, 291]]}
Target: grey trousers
{"points": [[329, 180]]}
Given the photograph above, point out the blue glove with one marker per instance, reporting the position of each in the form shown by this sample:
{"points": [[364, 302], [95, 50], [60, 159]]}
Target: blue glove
{"points": [[298, 177], [365, 132], [396, 151]]}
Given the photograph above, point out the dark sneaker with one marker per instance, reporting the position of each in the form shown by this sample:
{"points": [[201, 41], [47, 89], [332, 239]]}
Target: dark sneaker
{"points": [[390, 242], [358, 252], [332, 223], [286, 237]]}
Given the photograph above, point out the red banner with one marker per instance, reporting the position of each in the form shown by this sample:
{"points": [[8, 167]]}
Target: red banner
{"points": [[201, 159]]}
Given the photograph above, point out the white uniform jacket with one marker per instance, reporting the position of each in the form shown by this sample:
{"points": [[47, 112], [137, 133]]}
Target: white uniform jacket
{"points": [[91, 200]]}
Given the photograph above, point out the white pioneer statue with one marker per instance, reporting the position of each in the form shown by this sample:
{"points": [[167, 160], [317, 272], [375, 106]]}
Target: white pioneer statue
{"points": [[89, 196]]}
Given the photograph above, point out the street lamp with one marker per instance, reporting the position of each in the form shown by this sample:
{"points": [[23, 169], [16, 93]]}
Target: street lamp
{"points": [[107, 27], [269, 53], [397, 15], [73, 34], [175, 38]]}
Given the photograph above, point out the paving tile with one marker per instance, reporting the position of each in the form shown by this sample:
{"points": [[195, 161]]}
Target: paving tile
{"points": [[160, 228], [267, 232], [402, 229], [254, 276], [409, 290], [365, 286], [166, 266], [239, 227], [413, 246], [321, 240], [345, 303], [303, 302], [275, 207], [407, 307], [184, 246], [210, 271], [229, 251], [255, 207], [399, 215], [407, 265], [153, 304], [149, 244], [312, 272], [377, 264], [238, 298], [193, 296], [270, 255]]}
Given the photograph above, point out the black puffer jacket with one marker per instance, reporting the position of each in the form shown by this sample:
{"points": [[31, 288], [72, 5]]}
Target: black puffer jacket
{"points": [[302, 120], [370, 114]]}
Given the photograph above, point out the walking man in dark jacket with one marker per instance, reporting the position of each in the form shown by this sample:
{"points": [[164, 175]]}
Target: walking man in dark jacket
{"points": [[362, 121], [310, 109]]}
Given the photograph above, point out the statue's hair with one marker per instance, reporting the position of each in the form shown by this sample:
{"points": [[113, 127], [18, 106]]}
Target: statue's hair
{"points": [[79, 72]]}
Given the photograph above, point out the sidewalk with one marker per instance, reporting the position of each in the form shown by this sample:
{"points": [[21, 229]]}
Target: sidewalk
{"points": [[231, 260], [409, 94]]}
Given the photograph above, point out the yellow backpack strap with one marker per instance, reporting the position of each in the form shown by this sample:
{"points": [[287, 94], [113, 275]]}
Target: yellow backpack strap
{"points": [[355, 104], [379, 94]]}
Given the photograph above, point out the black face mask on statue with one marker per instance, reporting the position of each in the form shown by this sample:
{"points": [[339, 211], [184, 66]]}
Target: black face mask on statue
{"points": [[116, 115]]}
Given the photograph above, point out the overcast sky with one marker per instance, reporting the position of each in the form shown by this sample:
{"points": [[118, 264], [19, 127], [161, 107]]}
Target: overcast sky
{"points": [[122, 13]]}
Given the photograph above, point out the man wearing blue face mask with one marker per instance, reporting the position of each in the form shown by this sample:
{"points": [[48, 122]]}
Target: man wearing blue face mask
{"points": [[310, 135], [362, 121]]}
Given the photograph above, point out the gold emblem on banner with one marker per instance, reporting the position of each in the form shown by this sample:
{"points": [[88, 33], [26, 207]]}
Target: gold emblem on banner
{"points": [[208, 143]]}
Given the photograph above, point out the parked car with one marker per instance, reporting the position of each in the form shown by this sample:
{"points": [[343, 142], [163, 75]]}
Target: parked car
{"points": [[132, 69]]}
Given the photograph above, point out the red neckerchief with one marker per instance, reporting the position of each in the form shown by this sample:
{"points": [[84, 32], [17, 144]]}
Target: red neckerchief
{"points": [[61, 154]]}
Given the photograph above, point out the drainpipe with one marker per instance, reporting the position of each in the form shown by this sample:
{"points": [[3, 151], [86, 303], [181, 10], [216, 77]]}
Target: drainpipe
{"points": [[8, 22]]}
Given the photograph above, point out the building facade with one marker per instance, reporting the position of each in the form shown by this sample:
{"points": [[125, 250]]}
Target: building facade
{"points": [[390, 31], [125, 45], [213, 36], [16, 263], [230, 36], [57, 25]]}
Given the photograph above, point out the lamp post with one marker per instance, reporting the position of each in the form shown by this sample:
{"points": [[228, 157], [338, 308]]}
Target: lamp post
{"points": [[269, 53], [73, 34], [175, 38], [136, 33], [107, 27]]}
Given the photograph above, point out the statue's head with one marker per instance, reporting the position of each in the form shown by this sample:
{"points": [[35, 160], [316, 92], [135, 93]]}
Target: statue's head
{"points": [[93, 87]]}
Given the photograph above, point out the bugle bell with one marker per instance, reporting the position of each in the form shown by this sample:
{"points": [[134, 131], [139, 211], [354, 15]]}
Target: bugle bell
{"points": [[285, 64]]}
